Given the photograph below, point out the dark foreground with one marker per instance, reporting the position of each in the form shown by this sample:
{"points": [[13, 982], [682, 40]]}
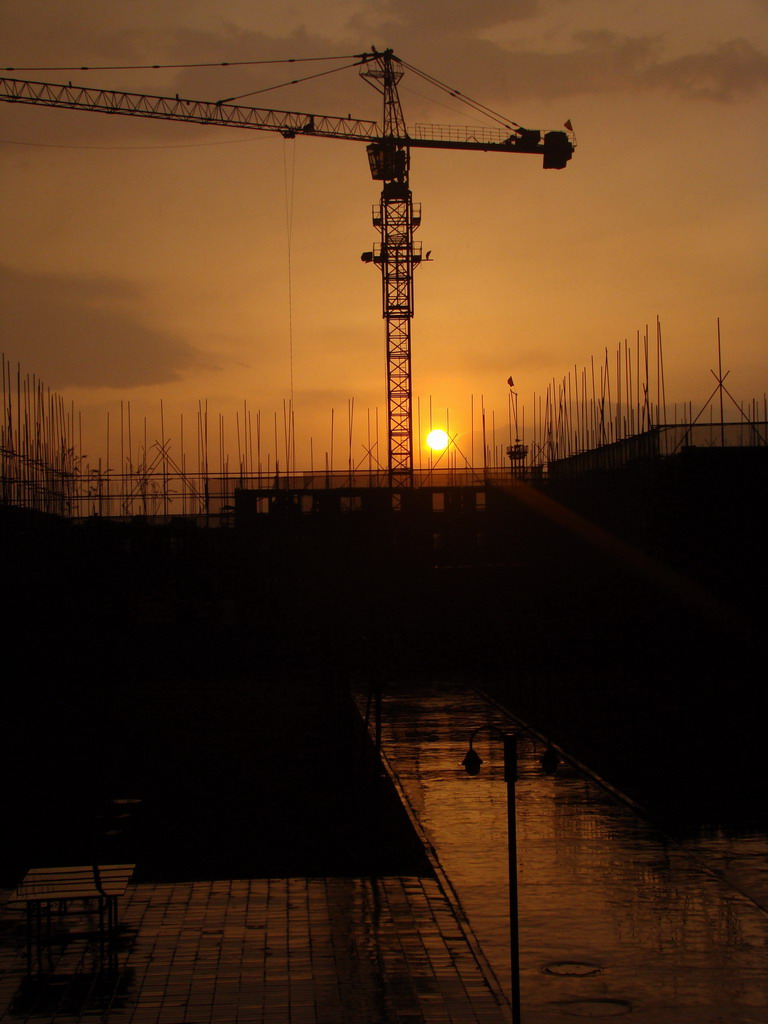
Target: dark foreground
{"points": [[206, 672], [179, 698], [264, 951], [241, 778]]}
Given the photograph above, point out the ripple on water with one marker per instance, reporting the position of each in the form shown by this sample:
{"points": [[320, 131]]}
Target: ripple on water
{"points": [[595, 1007], [572, 969]]}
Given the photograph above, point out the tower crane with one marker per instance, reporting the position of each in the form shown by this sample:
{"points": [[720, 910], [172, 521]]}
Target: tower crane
{"points": [[396, 217]]}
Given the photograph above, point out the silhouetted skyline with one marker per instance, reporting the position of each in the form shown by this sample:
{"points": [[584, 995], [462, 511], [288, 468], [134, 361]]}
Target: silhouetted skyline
{"points": [[149, 260]]}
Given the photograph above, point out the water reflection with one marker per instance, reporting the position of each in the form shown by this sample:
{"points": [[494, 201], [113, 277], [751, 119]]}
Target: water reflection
{"points": [[666, 938], [740, 856]]}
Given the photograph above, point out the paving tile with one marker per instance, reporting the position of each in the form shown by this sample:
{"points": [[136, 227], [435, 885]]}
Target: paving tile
{"points": [[288, 951]]}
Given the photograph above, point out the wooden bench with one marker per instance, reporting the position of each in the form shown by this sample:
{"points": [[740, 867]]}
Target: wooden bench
{"points": [[44, 890]]}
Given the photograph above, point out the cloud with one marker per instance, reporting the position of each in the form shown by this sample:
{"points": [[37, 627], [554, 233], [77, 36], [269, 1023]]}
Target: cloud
{"points": [[601, 62], [87, 332], [449, 41], [733, 69], [604, 61], [460, 16]]}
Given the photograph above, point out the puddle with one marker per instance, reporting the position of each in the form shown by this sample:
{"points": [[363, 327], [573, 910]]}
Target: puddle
{"points": [[621, 915]]}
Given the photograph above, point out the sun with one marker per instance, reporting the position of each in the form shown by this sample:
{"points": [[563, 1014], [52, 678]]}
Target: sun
{"points": [[437, 440]]}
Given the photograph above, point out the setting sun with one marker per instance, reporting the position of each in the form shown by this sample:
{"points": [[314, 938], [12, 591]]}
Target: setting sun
{"points": [[437, 440]]}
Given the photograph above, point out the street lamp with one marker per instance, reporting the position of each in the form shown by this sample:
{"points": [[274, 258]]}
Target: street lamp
{"points": [[471, 763]]}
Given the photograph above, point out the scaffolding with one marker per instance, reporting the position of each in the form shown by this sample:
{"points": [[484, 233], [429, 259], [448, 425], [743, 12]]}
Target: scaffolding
{"points": [[596, 419]]}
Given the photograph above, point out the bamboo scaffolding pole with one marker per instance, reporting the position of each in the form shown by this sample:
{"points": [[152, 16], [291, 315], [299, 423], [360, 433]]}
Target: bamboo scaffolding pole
{"points": [[240, 468], [258, 442]]}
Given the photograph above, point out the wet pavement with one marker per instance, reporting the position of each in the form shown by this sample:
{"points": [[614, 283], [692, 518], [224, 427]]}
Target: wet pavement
{"points": [[277, 951], [615, 918]]}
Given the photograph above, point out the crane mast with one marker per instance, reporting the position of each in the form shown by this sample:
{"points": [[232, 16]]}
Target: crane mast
{"points": [[397, 256], [396, 217]]}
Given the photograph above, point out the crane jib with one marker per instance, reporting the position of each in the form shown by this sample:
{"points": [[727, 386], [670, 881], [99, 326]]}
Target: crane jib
{"points": [[556, 147], [174, 108], [397, 217]]}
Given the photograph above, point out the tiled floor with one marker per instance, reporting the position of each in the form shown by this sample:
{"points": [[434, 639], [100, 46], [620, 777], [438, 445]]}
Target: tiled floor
{"points": [[277, 951]]}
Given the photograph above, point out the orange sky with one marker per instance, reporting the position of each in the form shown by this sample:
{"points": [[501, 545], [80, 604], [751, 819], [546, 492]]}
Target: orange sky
{"points": [[147, 260]]}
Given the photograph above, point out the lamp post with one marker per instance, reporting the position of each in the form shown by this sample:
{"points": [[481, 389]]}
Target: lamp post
{"points": [[471, 763]]}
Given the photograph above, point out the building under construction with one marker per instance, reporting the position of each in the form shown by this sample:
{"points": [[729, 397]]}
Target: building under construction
{"points": [[545, 559], [609, 592]]}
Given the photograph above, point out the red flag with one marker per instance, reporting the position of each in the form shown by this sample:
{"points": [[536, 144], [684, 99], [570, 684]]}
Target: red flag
{"points": [[568, 125]]}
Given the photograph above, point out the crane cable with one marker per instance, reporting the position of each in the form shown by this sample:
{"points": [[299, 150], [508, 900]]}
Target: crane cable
{"points": [[478, 107], [294, 81], [106, 149], [358, 59], [181, 67], [289, 193]]}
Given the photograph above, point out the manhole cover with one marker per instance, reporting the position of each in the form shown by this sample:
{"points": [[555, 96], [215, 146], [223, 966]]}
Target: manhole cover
{"points": [[596, 1007], [572, 969]]}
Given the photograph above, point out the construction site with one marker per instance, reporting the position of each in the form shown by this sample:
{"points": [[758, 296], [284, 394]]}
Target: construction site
{"points": [[599, 544], [212, 646], [550, 547]]}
